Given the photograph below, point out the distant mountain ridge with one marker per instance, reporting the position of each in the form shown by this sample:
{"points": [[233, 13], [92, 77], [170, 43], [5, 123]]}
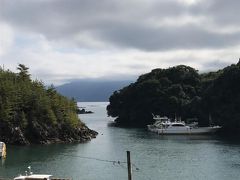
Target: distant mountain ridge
{"points": [[91, 90]]}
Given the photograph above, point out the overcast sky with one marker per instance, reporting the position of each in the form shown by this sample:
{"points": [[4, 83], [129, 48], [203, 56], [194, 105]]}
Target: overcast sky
{"points": [[62, 40]]}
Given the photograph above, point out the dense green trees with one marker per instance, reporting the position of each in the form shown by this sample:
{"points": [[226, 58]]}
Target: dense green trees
{"points": [[162, 91], [30, 113], [222, 99], [180, 92]]}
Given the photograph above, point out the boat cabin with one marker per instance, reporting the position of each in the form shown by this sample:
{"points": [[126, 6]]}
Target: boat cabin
{"points": [[159, 118]]}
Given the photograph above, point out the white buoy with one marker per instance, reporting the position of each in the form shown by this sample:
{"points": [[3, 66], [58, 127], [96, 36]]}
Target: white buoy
{"points": [[3, 150]]}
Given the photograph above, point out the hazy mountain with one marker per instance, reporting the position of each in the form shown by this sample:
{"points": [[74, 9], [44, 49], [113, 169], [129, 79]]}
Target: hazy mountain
{"points": [[91, 90]]}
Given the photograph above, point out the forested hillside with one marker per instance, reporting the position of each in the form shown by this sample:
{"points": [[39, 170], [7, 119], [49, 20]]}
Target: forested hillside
{"points": [[31, 113], [183, 93]]}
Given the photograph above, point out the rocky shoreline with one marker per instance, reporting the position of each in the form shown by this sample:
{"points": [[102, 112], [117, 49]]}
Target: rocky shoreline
{"points": [[46, 135]]}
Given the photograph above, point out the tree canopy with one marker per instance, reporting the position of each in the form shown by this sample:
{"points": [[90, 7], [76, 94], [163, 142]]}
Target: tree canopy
{"points": [[162, 91], [222, 99]]}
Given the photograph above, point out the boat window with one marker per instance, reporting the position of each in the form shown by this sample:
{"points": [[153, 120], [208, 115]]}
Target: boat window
{"points": [[178, 125]]}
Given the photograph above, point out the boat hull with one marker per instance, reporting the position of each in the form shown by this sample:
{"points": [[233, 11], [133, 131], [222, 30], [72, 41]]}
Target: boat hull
{"points": [[168, 131]]}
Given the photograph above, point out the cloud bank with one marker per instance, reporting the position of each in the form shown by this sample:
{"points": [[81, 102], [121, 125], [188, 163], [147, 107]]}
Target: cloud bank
{"points": [[62, 40]]}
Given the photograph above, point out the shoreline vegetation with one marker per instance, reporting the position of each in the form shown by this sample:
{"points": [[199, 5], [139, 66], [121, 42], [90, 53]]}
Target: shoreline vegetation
{"points": [[30, 113], [181, 92]]}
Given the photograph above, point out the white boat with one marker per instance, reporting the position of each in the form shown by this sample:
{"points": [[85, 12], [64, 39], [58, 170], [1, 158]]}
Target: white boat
{"points": [[30, 176], [34, 177], [163, 125]]}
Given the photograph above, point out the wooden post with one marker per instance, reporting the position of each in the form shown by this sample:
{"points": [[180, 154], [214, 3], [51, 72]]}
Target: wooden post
{"points": [[129, 166]]}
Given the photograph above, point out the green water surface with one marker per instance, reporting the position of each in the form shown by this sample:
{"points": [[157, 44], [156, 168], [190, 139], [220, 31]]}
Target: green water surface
{"points": [[155, 157]]}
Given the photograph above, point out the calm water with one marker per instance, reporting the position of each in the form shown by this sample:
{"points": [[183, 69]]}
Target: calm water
{"points": [[157, 157]]}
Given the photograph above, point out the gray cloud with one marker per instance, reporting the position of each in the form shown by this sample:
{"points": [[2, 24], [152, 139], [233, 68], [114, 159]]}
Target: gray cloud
{"points": [[221, 11], [153, 39], [125, 24], [62, 40]]}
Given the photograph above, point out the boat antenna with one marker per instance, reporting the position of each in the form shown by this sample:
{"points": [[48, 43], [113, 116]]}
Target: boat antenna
{"points": [[210, 119]]}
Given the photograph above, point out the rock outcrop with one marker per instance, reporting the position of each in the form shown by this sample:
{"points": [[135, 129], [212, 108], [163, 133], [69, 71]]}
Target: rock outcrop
{"points": [[43, 134]]}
